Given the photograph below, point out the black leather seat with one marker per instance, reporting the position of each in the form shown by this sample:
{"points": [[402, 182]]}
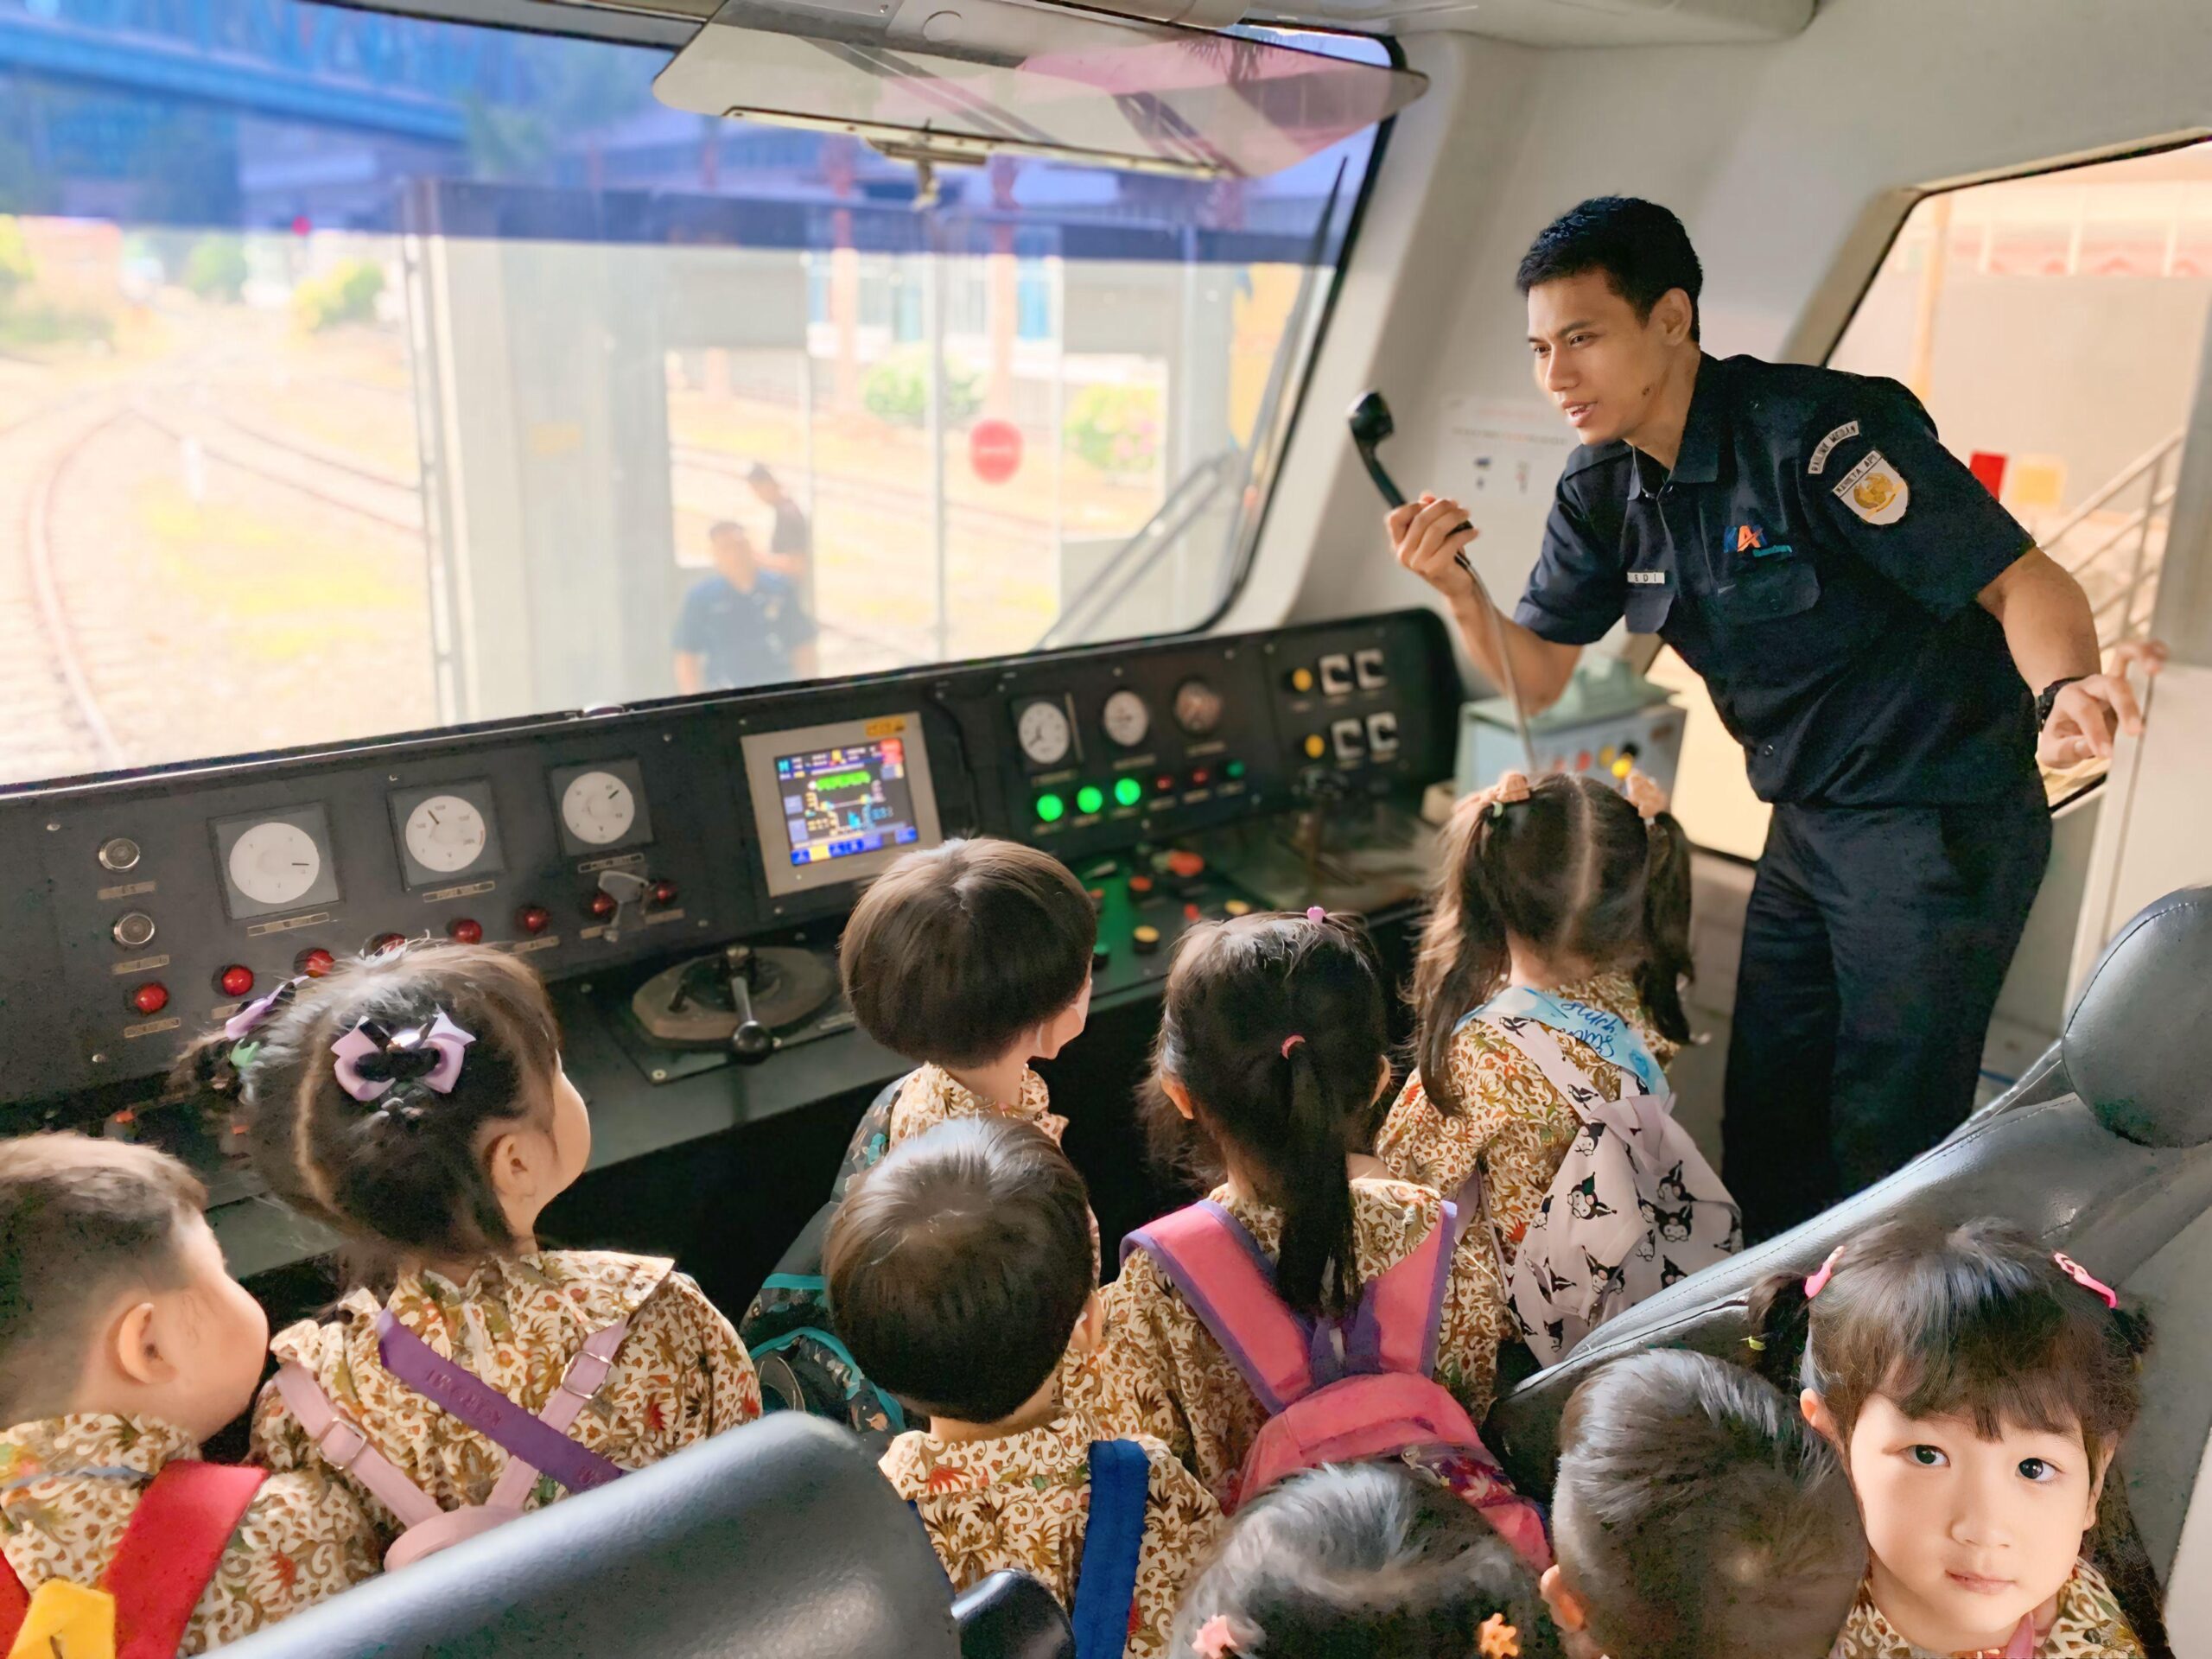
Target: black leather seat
{"points": [[2104, 1149], [779, 1540]]}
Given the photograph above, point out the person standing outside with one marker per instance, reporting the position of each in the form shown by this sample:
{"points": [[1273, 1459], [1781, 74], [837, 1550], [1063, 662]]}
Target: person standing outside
{"points": [[791, 544], [742, 625], [1889, 645]]}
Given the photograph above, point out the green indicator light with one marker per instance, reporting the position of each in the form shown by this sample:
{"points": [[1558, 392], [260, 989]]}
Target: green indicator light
{"points": [[1049, 807], [1234, 769], [1089, 798], [1126, 791]]}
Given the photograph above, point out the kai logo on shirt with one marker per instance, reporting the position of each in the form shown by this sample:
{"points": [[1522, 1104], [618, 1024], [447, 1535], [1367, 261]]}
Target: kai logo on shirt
{"points": [[1751, 539]]}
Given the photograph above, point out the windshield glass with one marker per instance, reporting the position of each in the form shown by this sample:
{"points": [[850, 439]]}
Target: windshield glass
{"points": [[361, 373]]}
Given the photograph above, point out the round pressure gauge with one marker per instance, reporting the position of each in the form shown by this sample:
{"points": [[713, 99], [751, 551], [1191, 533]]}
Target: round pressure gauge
{"points": [[1125, 718], [445, 834], [1044, 732], [1198, 707], [274, 863], [598, 807]]}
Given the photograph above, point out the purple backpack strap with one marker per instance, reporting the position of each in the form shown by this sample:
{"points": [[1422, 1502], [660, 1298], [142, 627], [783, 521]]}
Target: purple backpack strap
{"points": [[1402, 1310], [1208, 1255], [538, 1442]]}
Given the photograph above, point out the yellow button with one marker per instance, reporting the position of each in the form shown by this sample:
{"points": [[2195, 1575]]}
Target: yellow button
{"points": [[1622, 766], [1302, 679], [1605, 755], [1236, 907], [1316, 746]]}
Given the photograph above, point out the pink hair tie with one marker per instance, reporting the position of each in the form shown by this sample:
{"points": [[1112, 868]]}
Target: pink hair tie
{"points": [[1819, 1281], [2081, 1277], [1315, 913], [1291, 1042], [1215, 1639]]}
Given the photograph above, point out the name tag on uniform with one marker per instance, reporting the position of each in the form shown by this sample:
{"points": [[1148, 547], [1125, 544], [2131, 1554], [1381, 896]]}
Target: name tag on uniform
{"points": [[1648, 578]]}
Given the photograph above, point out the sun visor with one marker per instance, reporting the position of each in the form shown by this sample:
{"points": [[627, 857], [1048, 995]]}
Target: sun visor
{"points": [[957, 79]]}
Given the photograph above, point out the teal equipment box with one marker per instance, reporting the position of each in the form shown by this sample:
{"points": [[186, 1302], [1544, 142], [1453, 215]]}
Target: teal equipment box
{"points": [[1608, 715]]}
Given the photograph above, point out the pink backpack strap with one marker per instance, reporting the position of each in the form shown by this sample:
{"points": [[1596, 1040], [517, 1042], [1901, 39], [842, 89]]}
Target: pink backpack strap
{"points": [[585, 1375], [1217, 1264], [345, 1445], [1401, 1310]]}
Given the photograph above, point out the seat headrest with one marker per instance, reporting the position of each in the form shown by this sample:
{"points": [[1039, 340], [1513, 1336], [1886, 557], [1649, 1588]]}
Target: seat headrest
{"points": [[778, 1538], [2134, 1049]]}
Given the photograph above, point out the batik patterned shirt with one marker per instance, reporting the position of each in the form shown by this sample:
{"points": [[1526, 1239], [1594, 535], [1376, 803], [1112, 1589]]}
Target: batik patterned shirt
{"points": [[69, 1486], [1510, 1121], [1023, 1501], [1161, 1373], [930, 1096], [680, 1375], [2087, 1624]]}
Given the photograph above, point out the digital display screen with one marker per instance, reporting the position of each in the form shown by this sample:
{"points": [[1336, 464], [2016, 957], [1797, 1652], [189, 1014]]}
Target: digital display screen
{"points": [[840, 803]]}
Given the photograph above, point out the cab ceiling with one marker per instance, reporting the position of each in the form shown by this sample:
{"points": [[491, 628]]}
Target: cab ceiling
{"points": [[1531, 23]]}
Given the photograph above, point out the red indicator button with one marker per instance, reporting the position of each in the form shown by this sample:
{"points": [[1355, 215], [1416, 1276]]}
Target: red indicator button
{"points": [[464, 930], [663, 892], [1186, 865], [1199, 778], [151, 997], [314, 963], [1582, 761], [600, 904], [1192, 912], [534, 919], [1165, 785], [1139, 884], [384, 941], [235, 981]]}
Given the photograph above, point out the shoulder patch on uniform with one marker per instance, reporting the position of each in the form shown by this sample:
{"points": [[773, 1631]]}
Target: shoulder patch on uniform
{"points": [[1875, 489], [1820, 460]]}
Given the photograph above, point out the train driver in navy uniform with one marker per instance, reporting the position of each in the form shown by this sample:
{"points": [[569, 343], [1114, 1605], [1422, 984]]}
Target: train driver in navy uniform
{"points": [[1889, 645], [742, 625]]}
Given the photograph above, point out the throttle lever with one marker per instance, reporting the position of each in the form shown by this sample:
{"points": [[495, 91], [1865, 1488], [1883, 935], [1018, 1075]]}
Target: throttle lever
{"points": [[751, 1042], [626, 890]]}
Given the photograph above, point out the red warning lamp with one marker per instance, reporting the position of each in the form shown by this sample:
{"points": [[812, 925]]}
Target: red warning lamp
{"points": [[235, 981], [314, 963], [601, 905], [663, 892], [464, 930], [384, 941], [151, 997], [534, 919]]}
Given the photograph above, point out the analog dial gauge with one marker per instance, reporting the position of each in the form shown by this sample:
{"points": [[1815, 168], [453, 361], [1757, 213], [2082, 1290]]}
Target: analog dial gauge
{"points": [[1198, 707], [446, 834], [598, 807], [1044, 732], [274, 863], [1125, 718]]}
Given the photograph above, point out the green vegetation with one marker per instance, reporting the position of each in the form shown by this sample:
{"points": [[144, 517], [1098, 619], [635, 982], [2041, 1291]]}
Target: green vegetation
{"points": [[29, 317], [216, 267], [347, 292], [898, 389], [1115, 428]]}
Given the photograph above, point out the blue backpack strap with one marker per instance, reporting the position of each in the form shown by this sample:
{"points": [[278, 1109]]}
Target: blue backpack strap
{"points": [[1121, 1475]]}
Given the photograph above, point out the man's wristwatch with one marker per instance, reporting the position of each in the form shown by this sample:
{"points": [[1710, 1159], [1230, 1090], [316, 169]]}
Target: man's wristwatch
{"points": [[2050, 695]]}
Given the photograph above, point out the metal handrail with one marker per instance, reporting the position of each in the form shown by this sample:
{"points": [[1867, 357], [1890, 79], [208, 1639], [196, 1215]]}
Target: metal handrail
{"points": [[2126, 527], [2113, 487], [1193, 492]]}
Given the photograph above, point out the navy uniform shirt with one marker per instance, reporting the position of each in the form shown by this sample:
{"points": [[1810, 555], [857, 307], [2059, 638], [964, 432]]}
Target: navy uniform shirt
{"points": [[1814, 556], [746, 637]]}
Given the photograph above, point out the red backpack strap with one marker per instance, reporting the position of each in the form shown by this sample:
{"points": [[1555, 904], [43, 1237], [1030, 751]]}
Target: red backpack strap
{"points": [[170, 1550], [1402, 1310], [1217, 1264], [14, 1603]]}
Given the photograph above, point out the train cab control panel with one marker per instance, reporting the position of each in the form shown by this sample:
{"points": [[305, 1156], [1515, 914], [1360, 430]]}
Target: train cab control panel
{"points": [[694, 857]]}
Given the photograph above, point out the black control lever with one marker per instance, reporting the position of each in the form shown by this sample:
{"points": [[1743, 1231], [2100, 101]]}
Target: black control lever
{"points": [[752, 1042], [1371, 423]]}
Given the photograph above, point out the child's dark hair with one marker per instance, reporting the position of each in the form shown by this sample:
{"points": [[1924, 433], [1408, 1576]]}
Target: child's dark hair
{"points": [[1977, 1321], [958, 1267], [79, 1220], [1276, 1025], [1576, 872], [1364, 1560], [403, 1173], [1697, 1516], [955, 951]]}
